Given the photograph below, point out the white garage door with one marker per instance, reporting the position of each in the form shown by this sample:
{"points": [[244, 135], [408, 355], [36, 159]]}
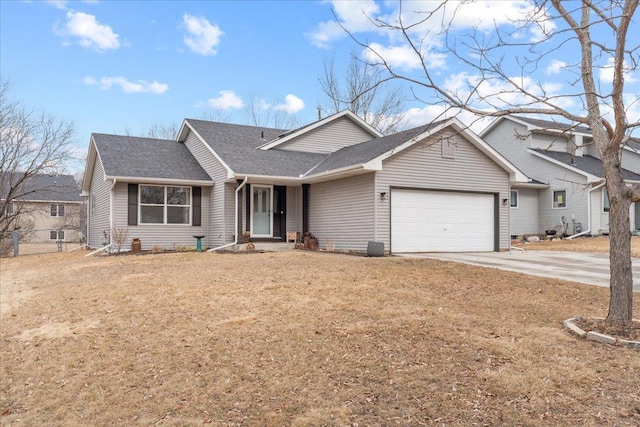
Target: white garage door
{"points": [[438, 221]]}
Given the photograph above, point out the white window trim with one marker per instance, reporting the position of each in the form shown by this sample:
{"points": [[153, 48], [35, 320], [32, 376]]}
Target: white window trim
{"points": [[57, 235], [605, 196], [517, 199], [57, 215], [566, 204], [164, 210]]}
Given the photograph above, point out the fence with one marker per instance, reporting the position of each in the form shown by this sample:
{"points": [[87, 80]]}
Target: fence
{"points": [[23, 242]]}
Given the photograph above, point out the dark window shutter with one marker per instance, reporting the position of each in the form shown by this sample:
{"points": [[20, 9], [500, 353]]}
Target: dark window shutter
{"points": [[196, 194], [133, 204]]}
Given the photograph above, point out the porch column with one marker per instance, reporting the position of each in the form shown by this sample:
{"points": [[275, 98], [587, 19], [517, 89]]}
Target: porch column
{"points": [[305, 208], [239, 212]]}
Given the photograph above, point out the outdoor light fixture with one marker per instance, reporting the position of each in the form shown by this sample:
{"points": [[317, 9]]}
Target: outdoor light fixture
{"points": [[384, 196], [504, 202]]}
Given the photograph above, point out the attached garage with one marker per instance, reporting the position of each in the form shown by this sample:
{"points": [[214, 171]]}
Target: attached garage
{"points": [[442, 221]]}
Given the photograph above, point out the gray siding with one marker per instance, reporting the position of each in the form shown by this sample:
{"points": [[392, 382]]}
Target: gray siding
{"points": [[294, 209], [342, 212], [524, 218], [99, 206], [215, 225], [631, 161], [550, 142], [422, 166], [340, 133], [150, 235], [503, 139]]}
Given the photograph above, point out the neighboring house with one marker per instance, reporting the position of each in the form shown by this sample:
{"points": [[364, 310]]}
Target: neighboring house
{"points": [[433, 188], [46, 208], [567, 178]]}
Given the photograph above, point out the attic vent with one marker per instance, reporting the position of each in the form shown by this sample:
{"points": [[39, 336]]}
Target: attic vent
{"points": [[448, 147], [261, 134]]}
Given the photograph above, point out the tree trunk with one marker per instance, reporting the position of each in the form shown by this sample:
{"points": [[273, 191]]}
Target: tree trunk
{"points": [[621, 283]]}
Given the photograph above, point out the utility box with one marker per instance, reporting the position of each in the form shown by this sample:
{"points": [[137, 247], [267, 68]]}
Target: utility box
{"points": [[375, 249]]}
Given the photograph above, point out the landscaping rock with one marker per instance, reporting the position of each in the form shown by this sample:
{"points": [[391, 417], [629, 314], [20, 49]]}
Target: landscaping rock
{"points": [[533, 239], [597, 336]]}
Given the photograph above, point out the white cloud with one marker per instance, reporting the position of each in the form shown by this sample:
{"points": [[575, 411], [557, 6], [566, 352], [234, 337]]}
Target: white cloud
{"points": [[62, 4], [88, 32], [403, 57], [556, 66], [227, 100], [140, 86], [606, 72], [353, 15], [203, 37], [292, 104]]}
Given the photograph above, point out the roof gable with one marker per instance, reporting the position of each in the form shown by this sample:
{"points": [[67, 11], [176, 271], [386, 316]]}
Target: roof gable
{"points": [[589, 166], [539, 125], [288, 137], [369, 155]]}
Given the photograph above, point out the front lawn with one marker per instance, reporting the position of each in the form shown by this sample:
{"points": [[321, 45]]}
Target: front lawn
{"points": [[301, 339]]}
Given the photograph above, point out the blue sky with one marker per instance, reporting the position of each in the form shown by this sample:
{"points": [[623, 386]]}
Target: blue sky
{"points": [[120, 66]]}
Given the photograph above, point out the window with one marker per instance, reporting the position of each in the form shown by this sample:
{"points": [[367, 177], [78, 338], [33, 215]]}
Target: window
{"points": [[57, 209], [514, 199], [56, 235], [9, 208], [605, 200], [165, 204], [559, 199]]}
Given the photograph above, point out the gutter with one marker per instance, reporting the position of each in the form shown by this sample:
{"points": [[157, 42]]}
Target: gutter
{"points": [[588, 212], [235, 242]]}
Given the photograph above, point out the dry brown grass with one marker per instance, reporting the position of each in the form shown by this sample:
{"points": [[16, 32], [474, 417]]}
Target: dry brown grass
{"points": [[579, 244], [301, 339]]}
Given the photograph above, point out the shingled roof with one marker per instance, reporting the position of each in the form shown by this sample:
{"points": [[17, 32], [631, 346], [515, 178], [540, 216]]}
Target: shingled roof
{"points": [[43, 188], [237, 146], [128, 156], [551, 125], [588, 164], [369, 150]]}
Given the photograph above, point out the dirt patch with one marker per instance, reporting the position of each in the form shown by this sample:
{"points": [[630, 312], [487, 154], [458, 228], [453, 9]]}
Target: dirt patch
{"points": [[626, 331], [299, 338]]}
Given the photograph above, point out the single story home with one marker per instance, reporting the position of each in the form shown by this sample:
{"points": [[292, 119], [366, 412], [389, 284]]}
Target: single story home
{"points": [[437, 187]]}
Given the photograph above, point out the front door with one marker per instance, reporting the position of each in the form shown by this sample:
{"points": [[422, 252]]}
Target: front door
{"points": [[261, 211]]}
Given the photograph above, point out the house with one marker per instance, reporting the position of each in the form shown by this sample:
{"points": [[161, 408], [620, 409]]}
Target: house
{"points": [[567, 184], [433, 188], [44, 208]]}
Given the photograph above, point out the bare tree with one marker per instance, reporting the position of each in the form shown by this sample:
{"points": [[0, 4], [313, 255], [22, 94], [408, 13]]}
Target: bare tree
{"points": [[163, 130], [259, 112], [31, 143], [363, 90], [604, 36]]}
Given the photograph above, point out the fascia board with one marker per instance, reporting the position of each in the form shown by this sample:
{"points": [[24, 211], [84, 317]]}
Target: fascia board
{"points": [[590, 177], [208, 147], [166, 181], [92, 156]]}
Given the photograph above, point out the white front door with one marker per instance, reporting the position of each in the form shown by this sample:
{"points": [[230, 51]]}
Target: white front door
{"points": [[261, 211]]}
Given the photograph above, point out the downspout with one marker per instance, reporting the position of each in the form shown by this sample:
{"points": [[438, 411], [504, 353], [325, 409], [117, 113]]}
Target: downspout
{"points": [[112, 192], [582, 233], [235, 242]]}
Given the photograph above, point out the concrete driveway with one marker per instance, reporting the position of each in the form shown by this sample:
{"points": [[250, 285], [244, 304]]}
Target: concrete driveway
{"points": [[588, 268]]}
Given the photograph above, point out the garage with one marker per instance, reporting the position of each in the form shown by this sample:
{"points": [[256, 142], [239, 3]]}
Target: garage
{"points": [[442, 221]]}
